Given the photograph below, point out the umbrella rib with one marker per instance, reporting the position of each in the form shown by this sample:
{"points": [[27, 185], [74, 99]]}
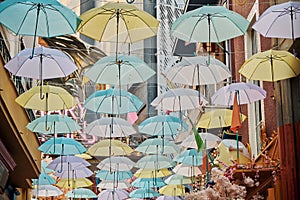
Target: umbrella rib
{"points": [[29, 10]]}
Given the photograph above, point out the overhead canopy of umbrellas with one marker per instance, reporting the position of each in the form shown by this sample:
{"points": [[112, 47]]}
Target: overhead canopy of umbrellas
{"points": [[161, 157]]}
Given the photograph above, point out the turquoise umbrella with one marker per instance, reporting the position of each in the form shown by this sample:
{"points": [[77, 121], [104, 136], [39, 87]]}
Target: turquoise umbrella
{"points": [[52, 124], [44, 18], [114, 175], [127, 70], [82, 193], [113, 101], [157, 145], [190, 157], [148, 182], [44, 168], [162, 125], [44, 179], [209, 24], [143, 193], [62, 146]]}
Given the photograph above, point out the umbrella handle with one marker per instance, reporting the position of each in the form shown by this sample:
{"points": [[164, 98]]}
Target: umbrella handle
{"points": [[36, 25]]}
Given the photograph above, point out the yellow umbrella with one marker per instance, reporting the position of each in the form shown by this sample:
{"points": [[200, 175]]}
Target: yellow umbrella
{"points": [[55, 98], [172, 190], [217, 118], [227, 153], [118, 22], [271, 66], [76, 183], [85, 156], [149, 173], [109, 147]]}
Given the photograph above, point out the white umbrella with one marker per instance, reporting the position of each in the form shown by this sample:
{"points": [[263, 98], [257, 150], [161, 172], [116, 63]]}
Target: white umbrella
{"points": [[186, 170], [46, 191], [115, 194], [280, 21], [107, 184], [116, 163], [179, 99], [178, 179], [209, 139], [195, 71], [110, 127], [154, 162], [247, 93], [46, 63], [168, 198], [82, 193]]}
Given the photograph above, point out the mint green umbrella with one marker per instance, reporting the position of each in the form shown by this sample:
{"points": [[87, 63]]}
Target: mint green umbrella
{"points": [[148, 182], [143, 193], [209, 24], [189, 157], [154, 162], [52, 124], [44, 18], [156, 146]]}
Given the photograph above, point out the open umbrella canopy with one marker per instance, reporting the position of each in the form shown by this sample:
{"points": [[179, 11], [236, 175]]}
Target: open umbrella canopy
{"points": [[81, 193], [44, 179], [196, 71], [151, 173], [280, 21], [113, 101], [148, 182], [103, 127], [217, 118], [179, 99], [115, 194], [109, 147], [177, 179], [113, 175], [156, 146], [118, 22], [210, 140], [164, 197], [67, 162], [247, 93], [74, 172], [172, 190], [45, 18], [62, 146], [122, 70], [52, 124], [189, 157], [114, 184], [56, 98], [162, 125], [74, 183], [46, 191], [227, 153], [46, 63], [154, 162], [186, 170], [271, 66], [209, 24], [116, 163], [143, 193]]}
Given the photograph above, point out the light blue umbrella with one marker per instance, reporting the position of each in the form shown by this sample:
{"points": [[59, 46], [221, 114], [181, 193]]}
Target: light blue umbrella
{"points": [[143, 193], [83, 193], [114, 175], [190, 157], [156, 146], [209, 24], [127, 70], [52, 124], [148, 182], [162, 125], [62, 146], [154, 162], [113, 101], [44, 168], [44, 18], [44, 179]]}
